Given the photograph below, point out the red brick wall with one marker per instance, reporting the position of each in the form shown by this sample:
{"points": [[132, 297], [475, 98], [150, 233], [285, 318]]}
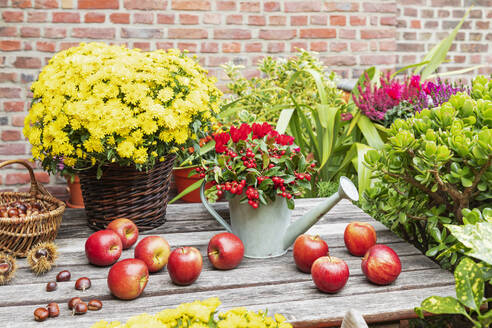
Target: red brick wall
{"points": [[349, 35]]}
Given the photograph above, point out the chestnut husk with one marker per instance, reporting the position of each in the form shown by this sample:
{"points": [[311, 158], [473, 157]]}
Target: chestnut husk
{"points": [[6, 276], [39, 262]]}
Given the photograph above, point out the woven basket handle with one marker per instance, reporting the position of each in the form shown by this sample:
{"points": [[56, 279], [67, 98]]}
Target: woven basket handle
{"points": [[36, 188]]}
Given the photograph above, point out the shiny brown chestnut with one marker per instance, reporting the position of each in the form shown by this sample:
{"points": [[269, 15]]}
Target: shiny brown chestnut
{"points": [[40, 253], [63, 276], [80, 308], [95, 305], [83, 284], [73, 301], [53, 310], [4, 267], [41, 314], [51, 286], [13, 213]]}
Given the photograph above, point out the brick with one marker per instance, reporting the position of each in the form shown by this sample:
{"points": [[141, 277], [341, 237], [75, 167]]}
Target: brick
{"points": [[217, 61], [346, 34], [145, 46], [401, 23], [98, 4], [94, 18], [277, 20], [318, 33], [27, 62], [474, 47], [387, 45], [94, 32], [37, 16], [427, 13], [377, 59], [358, 20], [226, 5], [446, 3], [13, 16], [476, 13], [388, 21], [120, 18], [145, 4], [21, 3], [8, 31], [209, 47], [231, 47], [298, 20], [459, 59], [338, 46], [42, 177], [234, 19], [257, 20], [143, 18], [191, 47], [378, 7], [443, 13], [319, 20], [408, 11], [339, 60], [55, 33], [303, 6], [271, 6], [374, 20], [277, 34], [141, 33], [415, 24], [275, 47], [409, 36], [475, 36], [358, 46], [6, 92], [249, 6], [13, 106], [67, 4], [66, 17], [253, 47], [187, 19], [46, 4], [164, 45], [16, 178], [377, 34], [7, 77], [338, 20], [341, 6], [320, 46], [189, 33], [431, 24], [18, 120], [212, 18], [190, 5], [45, 46], [165, 18], [295, 46], [30, 32], [11, 135], [232, 34], [10, 45], [482, 25]]}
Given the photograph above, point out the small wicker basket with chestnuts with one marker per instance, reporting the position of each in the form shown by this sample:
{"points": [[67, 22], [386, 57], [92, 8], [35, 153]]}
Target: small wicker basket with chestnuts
{"points": [[28, 218]]}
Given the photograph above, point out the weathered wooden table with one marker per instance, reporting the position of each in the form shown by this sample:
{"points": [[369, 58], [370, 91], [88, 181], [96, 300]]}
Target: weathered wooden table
{"points": [[273, 284]]}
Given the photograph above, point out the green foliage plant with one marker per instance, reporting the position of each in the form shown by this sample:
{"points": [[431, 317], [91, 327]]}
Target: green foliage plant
{"points": [[433, 166]]}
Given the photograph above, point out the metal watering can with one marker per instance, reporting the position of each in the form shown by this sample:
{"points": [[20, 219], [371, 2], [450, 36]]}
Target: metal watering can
{"points": [[267, 231]]}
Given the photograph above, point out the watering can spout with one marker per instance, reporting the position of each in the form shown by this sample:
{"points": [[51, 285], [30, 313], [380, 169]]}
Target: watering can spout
{"points": [[346, 190]]}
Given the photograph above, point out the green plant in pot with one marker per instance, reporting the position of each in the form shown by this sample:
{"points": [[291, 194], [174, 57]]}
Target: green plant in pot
{"points": [[260, 172], [115, 116]]}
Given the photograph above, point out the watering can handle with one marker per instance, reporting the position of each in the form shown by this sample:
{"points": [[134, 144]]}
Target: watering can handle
{"points": [[211, 210]]}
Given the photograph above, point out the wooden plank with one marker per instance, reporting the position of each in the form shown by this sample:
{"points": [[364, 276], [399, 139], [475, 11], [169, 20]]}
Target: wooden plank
{"points": [[300, 301]]}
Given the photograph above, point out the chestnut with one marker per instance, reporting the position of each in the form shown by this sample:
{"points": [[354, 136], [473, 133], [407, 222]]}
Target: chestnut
{"points": [[51, 286], [80, 308], [83, 284], [13, 213], [4, 267], [4, 214], [40, 253], [53, 310], [95, 305], [22, 208], [73, 301], [63, 275], [41, 314]]}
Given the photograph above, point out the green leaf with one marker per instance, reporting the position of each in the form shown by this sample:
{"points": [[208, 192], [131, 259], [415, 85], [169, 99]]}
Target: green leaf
{"points": [[442, 305], [284, 120], [408, 67], [456, 72], [189, 189], [469, 284], [99, 173], [370, 133], [477, 238]]}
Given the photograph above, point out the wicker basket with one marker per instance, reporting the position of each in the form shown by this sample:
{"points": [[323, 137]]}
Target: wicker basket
{"points": [[124, 192], [19, 235]]}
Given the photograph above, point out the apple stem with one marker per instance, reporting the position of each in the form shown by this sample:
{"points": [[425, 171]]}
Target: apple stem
{"points": [[213, 253]]}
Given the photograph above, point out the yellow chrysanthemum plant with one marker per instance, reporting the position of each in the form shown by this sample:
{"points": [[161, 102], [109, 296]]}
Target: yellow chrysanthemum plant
{"points": [[97, 104]]}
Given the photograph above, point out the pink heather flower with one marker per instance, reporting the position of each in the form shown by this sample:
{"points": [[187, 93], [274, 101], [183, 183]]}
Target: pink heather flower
{"points": [[346, 116], [395, 91]]}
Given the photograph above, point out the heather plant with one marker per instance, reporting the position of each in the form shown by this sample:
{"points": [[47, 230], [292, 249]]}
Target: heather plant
{"points": [[435, 94]]}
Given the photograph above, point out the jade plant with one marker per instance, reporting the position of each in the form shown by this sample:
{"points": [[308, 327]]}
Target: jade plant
{"points": [[433, 166]]}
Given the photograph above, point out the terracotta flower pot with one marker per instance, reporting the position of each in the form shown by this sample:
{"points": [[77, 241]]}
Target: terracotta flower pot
{"points": [[183, 181], [76, 200]]}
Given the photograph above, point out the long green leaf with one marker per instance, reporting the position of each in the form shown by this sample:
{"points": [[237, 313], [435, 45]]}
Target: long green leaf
{"points": [[469, 284], [203, 150], [372, 72], [457, 72], [439, 54], [330, 134], [363, 172], [403, 69], [185, 192], [318, 79], [370, 133], [284, 120]]}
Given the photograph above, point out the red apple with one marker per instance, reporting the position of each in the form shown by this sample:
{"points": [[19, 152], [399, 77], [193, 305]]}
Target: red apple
{"points": [[154, 251], [126, 229], [184, 265], [329, 274], [308, 249], [127, 278], [359, 237], [103, 247], [381, 265], [225, 251]]}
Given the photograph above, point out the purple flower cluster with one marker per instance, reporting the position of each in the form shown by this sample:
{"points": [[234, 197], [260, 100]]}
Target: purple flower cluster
{"points": [[435, 94]]}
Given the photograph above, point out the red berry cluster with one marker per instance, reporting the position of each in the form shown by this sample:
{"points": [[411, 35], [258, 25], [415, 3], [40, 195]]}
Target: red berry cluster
{"points": [[201, 171], [253, 196], [249, 159], [302, 176], [233, 187]]}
